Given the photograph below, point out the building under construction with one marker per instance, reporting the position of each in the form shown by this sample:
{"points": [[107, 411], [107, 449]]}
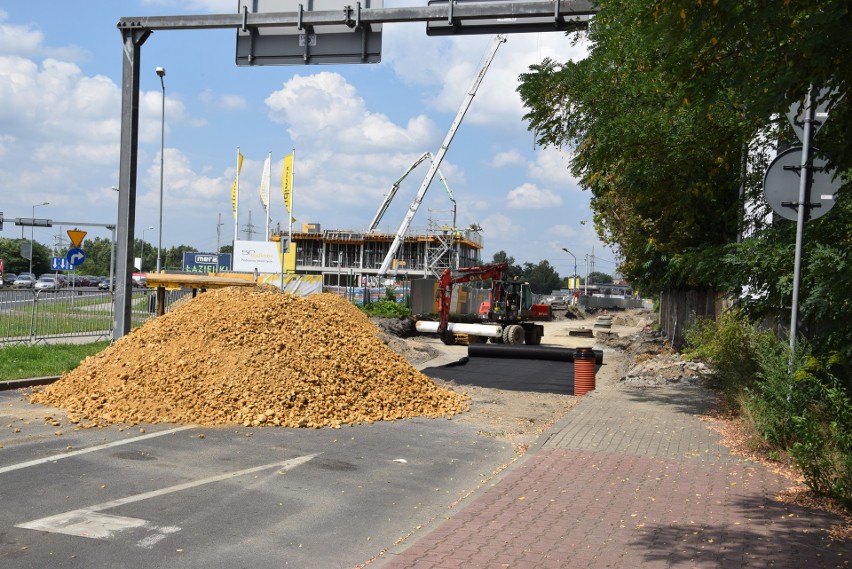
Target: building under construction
{"points": [[349, 257]]}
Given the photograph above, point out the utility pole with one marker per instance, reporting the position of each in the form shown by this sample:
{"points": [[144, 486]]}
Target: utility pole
{"points": [[218, 233]]}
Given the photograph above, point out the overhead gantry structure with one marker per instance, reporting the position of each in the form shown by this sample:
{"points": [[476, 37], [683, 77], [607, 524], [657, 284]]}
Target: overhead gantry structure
{"points": [[442, 17]]}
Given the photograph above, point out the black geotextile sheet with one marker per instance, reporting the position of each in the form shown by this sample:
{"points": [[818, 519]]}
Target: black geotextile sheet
{"points": [[555, 353], [506, 371]]}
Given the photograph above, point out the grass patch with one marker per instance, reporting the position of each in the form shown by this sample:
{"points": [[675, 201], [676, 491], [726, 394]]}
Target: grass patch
{"points": [[22, 362]]}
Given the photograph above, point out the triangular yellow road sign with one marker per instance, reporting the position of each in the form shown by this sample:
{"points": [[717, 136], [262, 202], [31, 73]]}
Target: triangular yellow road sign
{"points": [[76, 236]]}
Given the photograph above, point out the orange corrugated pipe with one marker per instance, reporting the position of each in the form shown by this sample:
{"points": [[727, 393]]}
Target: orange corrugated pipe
{"points": [[584, 371]]}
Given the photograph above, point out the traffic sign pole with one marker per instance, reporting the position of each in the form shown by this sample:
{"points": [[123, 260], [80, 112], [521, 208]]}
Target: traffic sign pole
{"points": [[804, 192]]}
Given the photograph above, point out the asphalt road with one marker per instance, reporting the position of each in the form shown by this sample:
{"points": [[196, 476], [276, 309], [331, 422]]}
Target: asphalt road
{"points": [[180, 497]]}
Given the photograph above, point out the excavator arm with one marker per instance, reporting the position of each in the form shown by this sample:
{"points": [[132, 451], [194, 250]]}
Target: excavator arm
{"points": [[449, 279]]}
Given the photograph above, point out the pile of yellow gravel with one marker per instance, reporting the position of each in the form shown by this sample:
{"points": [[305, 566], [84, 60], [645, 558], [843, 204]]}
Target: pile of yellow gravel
{"points": [[238, 356]]}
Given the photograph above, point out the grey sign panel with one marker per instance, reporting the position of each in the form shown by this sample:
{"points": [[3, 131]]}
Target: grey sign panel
{"points": [[782, 180], [485, 25], [289, 45]]}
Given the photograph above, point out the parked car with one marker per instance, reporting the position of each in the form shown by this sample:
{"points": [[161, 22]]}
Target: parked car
{"points": [[63, 282], [9, 279], [75, 281], [24, 280], [104, 284], [48, 283], [139, 280]]}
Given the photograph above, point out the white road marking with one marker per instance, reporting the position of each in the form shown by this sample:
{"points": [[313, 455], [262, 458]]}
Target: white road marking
{"points": [[152, 540], [56, 457], [90, 522]]}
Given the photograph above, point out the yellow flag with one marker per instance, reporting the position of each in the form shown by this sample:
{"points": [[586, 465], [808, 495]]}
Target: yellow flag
{"points": [[287, 182], [235, 185]]}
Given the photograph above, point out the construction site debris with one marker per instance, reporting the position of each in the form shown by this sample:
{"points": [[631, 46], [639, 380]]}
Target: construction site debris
{"points": [[253, 358]]}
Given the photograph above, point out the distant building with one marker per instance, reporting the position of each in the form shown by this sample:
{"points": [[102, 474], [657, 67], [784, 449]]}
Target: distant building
{"points": [[348, 257]]}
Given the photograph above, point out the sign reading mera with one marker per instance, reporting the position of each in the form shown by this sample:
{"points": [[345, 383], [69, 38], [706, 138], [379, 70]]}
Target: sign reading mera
{"points": [[206, 262], [260, 256]]}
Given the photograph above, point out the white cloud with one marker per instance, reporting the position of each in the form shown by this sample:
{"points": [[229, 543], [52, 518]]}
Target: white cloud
{"points": [[446, 68], [562, 231], [498, 227], [18, 39], [324, 109], [552, 167], [224, 102], [508, 158], [344, 150], [530, 196]]}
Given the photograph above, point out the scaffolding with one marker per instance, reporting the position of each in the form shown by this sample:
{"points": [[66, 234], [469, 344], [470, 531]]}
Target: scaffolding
{"points": [[441, 248]]}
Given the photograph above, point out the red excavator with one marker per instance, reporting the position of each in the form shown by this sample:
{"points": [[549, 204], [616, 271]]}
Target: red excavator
{"points": [[506, 316]]}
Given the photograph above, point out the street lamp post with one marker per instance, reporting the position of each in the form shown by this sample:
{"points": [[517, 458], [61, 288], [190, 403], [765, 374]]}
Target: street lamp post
{"points": [[32, 235], [161, 72], [575, 267], [142, 254]]}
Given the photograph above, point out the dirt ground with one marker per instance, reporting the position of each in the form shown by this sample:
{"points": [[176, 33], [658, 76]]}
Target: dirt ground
{"points": [[521, 416]]}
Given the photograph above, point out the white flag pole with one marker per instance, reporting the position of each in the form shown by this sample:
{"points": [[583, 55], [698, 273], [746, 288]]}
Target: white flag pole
{"points": [[237, 201], [267, 176], [292, 191]]}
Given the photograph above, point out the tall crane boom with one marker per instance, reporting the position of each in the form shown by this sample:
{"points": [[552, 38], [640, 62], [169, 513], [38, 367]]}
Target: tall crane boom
{"points": [[390, 195], [436, 162]]}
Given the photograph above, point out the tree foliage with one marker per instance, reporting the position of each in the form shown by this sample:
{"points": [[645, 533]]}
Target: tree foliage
{"points": [[673, 117], [542, 277], [13, 262], [598, 277], [513, 270]]}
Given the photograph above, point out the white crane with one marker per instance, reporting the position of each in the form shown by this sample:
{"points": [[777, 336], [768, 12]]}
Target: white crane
{"points": [[436, 162], [386, 203]]}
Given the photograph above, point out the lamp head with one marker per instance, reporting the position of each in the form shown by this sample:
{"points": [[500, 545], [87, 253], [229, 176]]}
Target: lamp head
{"points": [[161, 71]]}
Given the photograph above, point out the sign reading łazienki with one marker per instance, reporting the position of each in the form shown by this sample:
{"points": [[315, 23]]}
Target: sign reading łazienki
{"points": [[206, 262], [260, 256]]}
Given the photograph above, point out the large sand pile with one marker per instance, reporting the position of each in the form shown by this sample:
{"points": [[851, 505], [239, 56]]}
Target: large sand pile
{"points": [[252, 358]]}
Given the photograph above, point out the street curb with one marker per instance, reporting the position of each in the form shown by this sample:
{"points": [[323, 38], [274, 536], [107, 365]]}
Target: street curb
{"points": [[23, 383]]}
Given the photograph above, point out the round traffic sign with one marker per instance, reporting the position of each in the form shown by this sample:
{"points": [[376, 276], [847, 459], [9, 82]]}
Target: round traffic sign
{"points": [[75, 257], [781, 186]]}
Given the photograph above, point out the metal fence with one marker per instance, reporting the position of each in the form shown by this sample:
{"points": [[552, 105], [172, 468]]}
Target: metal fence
{"points": [[30, 317]]}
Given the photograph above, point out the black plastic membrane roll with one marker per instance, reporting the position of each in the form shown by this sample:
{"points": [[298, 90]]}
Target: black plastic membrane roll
{"points": [[541, 369], [523, 352]]}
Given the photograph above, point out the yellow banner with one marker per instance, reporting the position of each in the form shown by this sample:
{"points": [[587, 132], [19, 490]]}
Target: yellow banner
{"points": [[235, 185], [287, 182]]}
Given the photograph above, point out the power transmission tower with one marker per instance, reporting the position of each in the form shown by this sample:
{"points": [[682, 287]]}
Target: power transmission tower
{"points": [[249, 228]]}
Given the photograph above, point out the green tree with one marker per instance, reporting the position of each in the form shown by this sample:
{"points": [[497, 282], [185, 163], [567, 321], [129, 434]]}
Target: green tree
{"points": [[664, 179], [598, 277], [98, 253], [172, 259], [10, 252], [542, 277], [512, 270], [672, 116]]}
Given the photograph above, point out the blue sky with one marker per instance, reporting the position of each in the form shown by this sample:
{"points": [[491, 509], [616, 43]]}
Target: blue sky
{"points": [[355, 128]]}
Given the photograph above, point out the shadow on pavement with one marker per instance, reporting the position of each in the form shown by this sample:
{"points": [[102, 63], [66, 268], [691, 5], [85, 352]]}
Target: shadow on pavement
{"points": [[686, 399], [764, 533], [540, 376]]}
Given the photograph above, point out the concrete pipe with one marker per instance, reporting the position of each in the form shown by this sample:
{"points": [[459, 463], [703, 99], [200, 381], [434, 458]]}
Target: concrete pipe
{"points": [[485, 330]]}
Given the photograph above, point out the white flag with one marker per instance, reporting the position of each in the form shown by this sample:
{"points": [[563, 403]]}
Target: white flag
{"points": [[264, 183]]}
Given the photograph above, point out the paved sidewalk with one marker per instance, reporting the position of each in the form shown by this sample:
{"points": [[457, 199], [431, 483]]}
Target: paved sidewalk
{"points": [[629, 478]]}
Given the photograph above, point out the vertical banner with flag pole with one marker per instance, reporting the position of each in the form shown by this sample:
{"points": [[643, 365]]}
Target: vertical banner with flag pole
{"points": [[235, 195], [287, 189], [264, 189]]}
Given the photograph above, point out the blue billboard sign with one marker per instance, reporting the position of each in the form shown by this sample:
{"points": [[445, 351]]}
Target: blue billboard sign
{"points": [[206, 262]]}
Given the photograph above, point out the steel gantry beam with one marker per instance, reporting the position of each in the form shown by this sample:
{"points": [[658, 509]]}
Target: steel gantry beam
{"points": [[563, 14]]}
